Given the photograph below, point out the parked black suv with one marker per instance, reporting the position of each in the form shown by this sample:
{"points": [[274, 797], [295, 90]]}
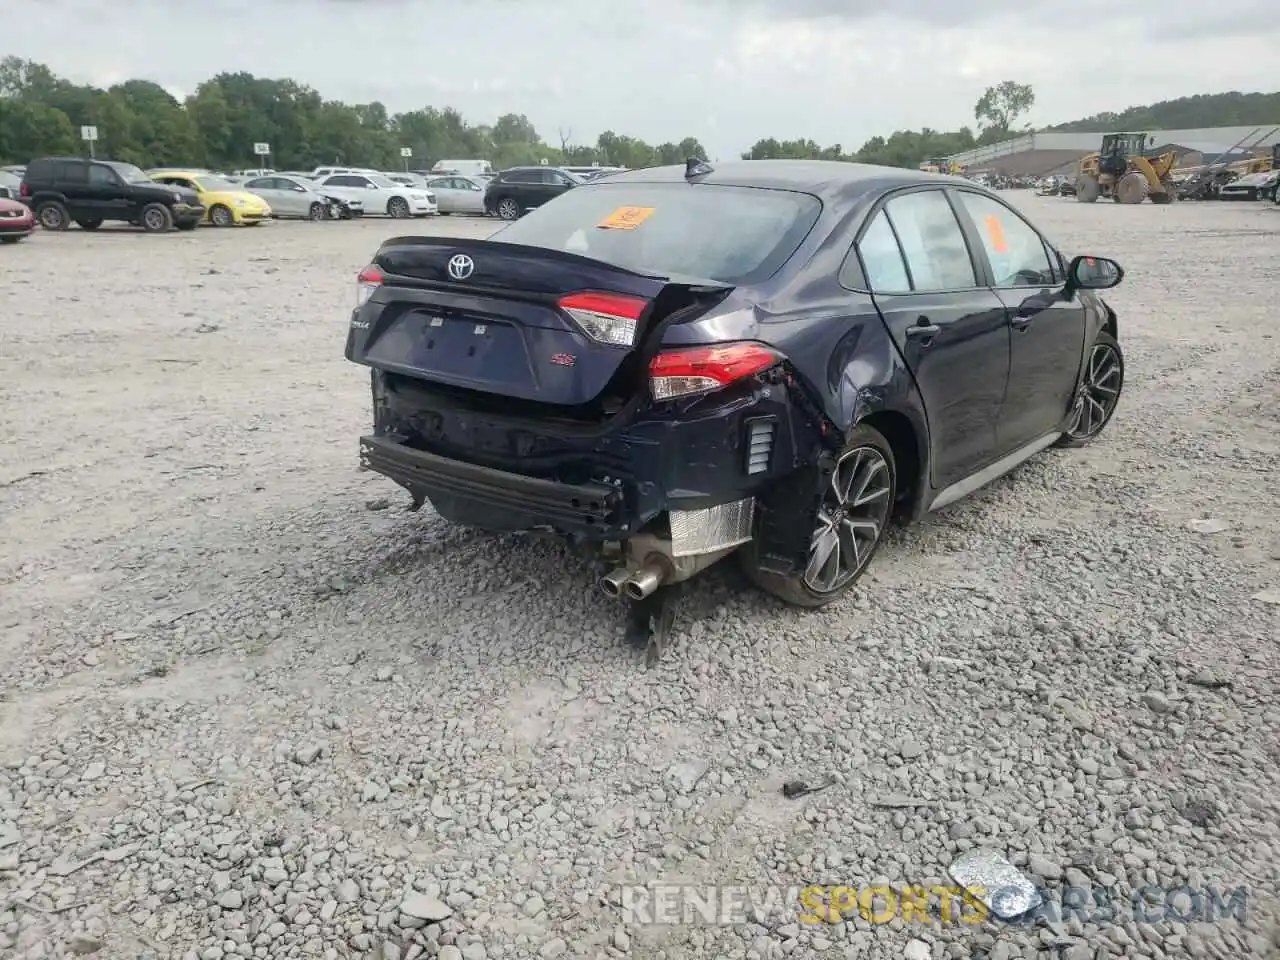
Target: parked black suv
{"points": [[89, 192], [513, 192]]}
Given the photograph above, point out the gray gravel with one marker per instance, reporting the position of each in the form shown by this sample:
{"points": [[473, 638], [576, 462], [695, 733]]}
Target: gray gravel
{"points": [[251, 707]]}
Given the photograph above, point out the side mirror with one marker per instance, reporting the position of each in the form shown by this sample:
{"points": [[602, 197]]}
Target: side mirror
{"points": [[1094, 273]]}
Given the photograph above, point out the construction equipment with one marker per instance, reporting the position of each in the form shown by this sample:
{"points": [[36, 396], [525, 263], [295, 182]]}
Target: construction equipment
{"points": [[1122, 171], [941, 165]]}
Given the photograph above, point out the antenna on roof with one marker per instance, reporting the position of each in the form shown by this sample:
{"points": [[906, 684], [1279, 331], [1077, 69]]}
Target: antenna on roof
{"points": [[693, 167]]}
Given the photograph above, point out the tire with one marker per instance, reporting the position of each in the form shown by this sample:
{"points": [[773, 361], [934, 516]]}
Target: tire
{"points": [[398, 208], [1074, 436], [53, 215], [221, 216], [866, 451], [90, 224], [1087, 189], [508, 209], [1132, 188], [157, 218], [316, 212]]}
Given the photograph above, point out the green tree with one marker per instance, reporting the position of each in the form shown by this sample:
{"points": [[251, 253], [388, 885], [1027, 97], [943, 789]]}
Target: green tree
{"points": [[1000, 106]]}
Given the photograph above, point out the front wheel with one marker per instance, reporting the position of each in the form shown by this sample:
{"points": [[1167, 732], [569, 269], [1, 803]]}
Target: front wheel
{"points": [[1098, 393], [221, 216], [156, 218], [316, 211], [398, 208], [850, 524]]}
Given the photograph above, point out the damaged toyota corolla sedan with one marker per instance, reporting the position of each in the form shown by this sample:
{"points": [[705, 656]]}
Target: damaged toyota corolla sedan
{"points": [[771, 359]]}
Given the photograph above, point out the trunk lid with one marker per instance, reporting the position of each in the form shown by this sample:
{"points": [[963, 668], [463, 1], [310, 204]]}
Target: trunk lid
{"points": [[523, 322]]}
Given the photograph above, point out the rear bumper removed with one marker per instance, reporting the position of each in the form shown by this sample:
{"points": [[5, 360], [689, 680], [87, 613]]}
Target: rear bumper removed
{"points": [[697, 467]]}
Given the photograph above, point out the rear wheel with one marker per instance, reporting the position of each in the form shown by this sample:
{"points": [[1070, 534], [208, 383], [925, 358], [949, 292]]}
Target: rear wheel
{"points": [[850, 524], [1132, 188], [53, 216], [1087, 189], [508, 209], [1099, 392], [90, 224], [398, 207], [156, 218]]}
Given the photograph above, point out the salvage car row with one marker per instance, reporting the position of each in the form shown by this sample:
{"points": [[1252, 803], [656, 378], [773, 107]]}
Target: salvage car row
{"points": [[56, 192]]}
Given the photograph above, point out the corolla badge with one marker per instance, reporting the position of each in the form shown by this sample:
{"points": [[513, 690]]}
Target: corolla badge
{"points": [[461, 266]]}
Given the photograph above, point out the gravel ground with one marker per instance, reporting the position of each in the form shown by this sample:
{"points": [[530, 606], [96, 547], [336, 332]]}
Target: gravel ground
{"points": [[250, 706]]}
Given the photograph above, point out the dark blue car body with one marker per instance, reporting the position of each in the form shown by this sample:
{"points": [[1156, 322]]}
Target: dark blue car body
{"points": [[491, 403]]}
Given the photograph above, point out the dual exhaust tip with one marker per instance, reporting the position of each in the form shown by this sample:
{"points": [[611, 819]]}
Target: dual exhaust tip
{"points": [[633, 584]]}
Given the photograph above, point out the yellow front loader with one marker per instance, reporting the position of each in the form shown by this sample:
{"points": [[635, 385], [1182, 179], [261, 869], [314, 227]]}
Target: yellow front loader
{"points": [[941, 165], [1122, 171]]}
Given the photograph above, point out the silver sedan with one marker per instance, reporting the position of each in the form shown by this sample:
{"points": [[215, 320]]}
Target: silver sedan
{"points": [[458, 194], [289, 196]]}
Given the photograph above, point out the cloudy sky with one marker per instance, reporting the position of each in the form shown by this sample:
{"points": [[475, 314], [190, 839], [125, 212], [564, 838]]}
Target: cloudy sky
{"points": [[726, 71]]}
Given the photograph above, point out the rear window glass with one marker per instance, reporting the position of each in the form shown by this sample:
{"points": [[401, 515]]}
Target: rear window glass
{"points": [[708, 231]]}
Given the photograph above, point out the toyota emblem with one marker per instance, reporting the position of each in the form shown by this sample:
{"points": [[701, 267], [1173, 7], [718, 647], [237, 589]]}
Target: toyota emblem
{"points": [[461, 266]]}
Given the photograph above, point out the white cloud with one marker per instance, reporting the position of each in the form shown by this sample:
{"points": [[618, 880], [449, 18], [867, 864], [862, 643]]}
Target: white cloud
{"points": [[726, 72]]}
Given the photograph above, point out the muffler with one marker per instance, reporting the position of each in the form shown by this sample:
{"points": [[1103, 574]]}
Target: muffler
{"points": [[611, 583], [645, 581]]}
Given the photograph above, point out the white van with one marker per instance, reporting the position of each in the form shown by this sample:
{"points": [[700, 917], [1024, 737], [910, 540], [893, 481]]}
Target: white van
{"points": [[467, 168]]}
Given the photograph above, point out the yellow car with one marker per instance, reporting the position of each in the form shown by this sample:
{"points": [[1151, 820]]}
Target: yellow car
{"points": [[225, 203]]}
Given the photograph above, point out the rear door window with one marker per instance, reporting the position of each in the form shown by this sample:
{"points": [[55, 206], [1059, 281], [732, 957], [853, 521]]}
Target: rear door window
{"points": [[881, 258], [932, 242], [71, 171], [708, 231]]}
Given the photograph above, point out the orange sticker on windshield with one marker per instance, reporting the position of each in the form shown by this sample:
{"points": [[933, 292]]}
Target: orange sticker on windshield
{"points": [[626, 218], [995, 230]]}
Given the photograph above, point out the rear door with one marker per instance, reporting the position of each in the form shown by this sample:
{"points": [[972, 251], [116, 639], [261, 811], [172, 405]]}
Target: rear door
{"points": [[72, 179], [949, 326], [1046, 330]]}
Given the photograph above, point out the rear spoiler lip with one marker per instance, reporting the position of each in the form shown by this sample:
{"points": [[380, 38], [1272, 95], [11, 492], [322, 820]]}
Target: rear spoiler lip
{"points": [[473, 243]]}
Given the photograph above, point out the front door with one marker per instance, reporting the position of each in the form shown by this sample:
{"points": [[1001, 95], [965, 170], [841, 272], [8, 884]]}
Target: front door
{"points": [[952, 332], [1046, 330]]}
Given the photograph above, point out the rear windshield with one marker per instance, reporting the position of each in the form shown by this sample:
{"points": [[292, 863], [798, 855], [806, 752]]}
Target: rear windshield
{"points": [[729, 234]]}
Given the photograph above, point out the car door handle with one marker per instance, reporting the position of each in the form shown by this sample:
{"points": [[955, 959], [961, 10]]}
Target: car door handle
{"points": [[922, 329], [1020, 322]]}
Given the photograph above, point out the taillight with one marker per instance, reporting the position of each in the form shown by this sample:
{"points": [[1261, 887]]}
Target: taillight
{"points": [[367, 281], [682, 373], [606, 317]]}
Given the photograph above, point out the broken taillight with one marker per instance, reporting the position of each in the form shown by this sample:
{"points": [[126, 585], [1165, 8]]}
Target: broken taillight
{"points": [[609, 318], [683, 373], [367, 281]]}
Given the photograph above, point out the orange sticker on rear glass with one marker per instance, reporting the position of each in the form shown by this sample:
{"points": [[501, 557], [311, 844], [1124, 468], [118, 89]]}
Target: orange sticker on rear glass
{"points": [[995, 230], [626, 218]]}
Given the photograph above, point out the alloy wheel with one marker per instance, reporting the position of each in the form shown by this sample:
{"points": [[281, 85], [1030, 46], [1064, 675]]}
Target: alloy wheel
{"points": [[51, 218], [153, 220], [851, 518], [508, 210], [221, 217], [1099, 393]]}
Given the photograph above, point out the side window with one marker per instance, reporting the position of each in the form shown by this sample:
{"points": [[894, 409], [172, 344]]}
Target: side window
{"points": [[932, 242], [101, 176], [1016, 251], [882, 258], [261, 183], [341, 180], [362, 182], [71, 171]]}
